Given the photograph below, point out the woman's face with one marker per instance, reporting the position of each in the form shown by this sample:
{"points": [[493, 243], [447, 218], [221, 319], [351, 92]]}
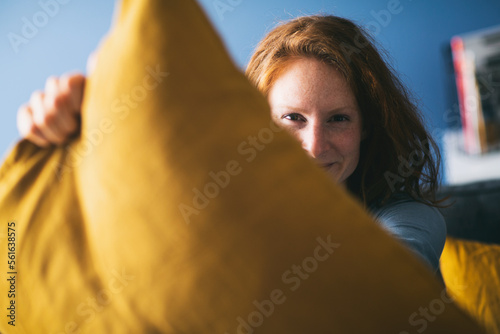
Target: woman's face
{"points": [[315, 104]]}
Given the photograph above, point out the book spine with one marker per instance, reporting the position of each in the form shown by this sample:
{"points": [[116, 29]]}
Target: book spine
{"points": [[463, 62]]}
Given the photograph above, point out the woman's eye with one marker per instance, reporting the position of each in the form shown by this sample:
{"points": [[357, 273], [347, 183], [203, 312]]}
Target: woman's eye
{"points": [[340, 118], [293, 117]]}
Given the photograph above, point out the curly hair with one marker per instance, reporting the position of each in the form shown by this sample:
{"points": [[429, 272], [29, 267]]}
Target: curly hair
{"points": [[398, 153]]}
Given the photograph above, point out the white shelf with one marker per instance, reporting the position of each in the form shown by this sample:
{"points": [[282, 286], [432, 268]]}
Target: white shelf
{"points": [[462, 168]]}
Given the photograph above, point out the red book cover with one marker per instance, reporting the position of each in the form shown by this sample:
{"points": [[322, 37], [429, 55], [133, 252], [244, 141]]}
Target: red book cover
{"points": [[470, 104]]}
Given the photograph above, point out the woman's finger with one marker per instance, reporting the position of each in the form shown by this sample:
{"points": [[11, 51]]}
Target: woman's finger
{"points": [[45, 121], [27, 127], [57, 103], [73, 86], [60, 100]]}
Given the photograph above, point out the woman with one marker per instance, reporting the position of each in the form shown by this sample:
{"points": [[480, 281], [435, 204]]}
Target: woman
{"points": [[326, 84]]}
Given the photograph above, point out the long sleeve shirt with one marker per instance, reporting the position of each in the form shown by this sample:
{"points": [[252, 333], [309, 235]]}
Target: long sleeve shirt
{"points": [[419, 226]]}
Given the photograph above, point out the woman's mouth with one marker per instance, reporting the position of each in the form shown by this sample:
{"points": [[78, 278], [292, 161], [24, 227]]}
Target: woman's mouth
{"points": [[326, 165]]}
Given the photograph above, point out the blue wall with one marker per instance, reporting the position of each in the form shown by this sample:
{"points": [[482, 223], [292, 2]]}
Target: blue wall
{"points": [[59, 44], [416, 39]]}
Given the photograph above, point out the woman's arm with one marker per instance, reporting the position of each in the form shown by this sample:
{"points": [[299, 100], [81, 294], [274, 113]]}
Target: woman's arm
{"points": [[421, 227]]}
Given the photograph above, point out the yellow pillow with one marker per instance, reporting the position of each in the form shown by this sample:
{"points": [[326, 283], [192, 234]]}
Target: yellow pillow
{"points": [[471, 271], [183, 209]]}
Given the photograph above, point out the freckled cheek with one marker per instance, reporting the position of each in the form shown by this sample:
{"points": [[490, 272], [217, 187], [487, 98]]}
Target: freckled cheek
{"points": [[347, 142]]}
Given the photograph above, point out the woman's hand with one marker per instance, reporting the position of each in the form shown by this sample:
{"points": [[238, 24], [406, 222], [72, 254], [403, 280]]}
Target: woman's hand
{"points": [[52, 116]]}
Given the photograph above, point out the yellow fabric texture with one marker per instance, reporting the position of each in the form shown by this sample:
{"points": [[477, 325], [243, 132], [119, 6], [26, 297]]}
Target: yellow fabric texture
{"points": [[471, 271], [182, 209]]}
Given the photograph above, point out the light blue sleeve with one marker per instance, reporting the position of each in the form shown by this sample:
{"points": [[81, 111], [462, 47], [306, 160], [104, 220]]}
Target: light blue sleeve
{"points": [[421, 227]]}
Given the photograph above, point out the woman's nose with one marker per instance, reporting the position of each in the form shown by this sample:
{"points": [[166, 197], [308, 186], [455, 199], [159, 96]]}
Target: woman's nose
{"points": [[315, 141]]}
